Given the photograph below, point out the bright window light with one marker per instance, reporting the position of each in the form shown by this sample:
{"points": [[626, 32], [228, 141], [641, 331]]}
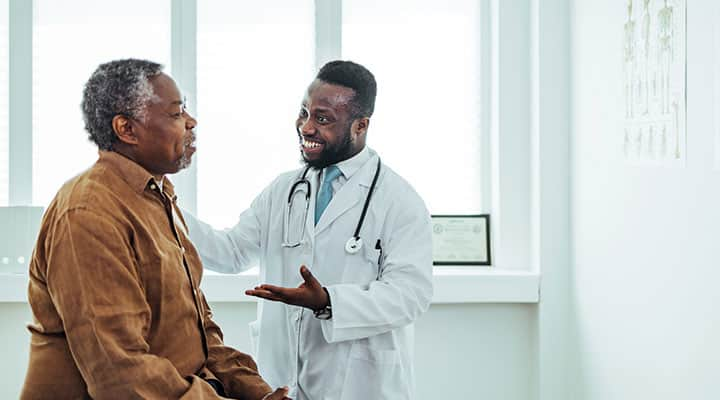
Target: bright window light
{"points": [[70, 40], [4, 57], [254, 62], [425, 55]]}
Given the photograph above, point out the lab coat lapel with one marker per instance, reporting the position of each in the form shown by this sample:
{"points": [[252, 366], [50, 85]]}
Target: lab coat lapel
{"points": [[310, 219], [350, 194]]}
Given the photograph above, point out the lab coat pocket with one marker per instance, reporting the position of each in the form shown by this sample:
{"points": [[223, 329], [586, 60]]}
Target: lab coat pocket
{"points": [[373, 374], [362, 267], [254, 336]]}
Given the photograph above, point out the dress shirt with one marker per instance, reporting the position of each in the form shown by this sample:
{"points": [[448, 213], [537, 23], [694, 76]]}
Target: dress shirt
{"points": [[115, 294]]}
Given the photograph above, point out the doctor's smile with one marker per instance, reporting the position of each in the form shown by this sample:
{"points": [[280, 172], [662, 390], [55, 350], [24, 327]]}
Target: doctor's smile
{"points": [[310, 146]]}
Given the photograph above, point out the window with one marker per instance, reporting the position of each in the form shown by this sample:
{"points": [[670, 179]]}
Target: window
{"points": [[242, 124], [70, 40], [255, 60], [247, 66], [4, 144], [425, 56]]}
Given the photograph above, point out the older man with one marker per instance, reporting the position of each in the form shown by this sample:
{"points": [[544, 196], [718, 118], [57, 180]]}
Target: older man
{"points": [[114, 280]]}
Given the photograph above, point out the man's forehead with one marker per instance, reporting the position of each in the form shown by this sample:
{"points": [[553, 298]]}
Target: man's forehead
{"points": [[165, 90], [322, 94]]}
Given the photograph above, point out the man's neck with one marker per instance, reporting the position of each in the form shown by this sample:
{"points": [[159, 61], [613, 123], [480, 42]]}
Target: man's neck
{"points": [[128, 154]]}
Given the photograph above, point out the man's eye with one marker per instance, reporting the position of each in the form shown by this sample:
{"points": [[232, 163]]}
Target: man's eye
{"points": [[321, 119], [303, 114]]}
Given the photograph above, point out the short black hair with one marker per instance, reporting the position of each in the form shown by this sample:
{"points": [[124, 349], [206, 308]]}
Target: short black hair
{"points": [[356, 77], [116, 87]]}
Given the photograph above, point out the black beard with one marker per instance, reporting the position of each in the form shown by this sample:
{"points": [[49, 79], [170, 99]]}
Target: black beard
{"points": [[332, 155]]}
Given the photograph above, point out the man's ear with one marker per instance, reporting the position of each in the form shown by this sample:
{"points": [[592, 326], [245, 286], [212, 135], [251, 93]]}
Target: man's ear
{"points": [[360, 126], [123, 128]]}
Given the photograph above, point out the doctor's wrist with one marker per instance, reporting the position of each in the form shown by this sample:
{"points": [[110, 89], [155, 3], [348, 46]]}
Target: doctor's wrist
{"points": [[324, 312], [326, 303], [322, 301]]}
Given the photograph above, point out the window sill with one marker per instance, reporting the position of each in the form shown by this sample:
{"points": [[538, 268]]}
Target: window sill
{"points": [[453, 285]]}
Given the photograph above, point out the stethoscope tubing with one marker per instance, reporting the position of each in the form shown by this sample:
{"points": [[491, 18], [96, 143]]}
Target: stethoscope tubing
{"points": [[367, 201], [356, 236]]}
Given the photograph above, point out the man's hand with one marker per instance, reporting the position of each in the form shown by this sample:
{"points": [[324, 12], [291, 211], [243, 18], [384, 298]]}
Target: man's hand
{"points": [[279, 394], [310, 294]]}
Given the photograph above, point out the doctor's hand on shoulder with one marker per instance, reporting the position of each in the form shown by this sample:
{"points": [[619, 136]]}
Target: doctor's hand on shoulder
{"points": [[279, 394], [310, 294]]}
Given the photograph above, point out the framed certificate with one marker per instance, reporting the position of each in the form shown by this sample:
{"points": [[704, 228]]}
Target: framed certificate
{"points": [[461, 239]]}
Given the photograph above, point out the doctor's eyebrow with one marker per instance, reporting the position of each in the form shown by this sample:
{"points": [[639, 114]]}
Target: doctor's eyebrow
{"points": [[322, 109]]}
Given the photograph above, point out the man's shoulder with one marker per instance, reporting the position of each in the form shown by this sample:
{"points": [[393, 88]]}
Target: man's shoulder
{"points": [[95, 190], [403, 202], [290, 175], [396, 184], [280, 184], [285, 179]]}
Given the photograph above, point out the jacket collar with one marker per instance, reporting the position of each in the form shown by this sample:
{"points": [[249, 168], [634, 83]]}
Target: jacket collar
{"points": [[132, 173]]}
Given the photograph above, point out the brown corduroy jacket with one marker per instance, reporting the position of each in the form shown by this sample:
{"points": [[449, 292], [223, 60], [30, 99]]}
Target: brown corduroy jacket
{"points": [[115, 294]]}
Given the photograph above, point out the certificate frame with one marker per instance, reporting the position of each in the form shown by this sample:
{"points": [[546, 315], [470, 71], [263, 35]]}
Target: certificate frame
{"points": [[475, 251]]}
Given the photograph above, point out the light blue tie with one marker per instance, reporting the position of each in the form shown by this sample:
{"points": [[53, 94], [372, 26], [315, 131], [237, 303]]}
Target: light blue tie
{"points": [[326, 192]]}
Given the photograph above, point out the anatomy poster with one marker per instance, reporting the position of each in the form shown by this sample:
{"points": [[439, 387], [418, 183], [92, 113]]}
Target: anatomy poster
{"points": [[654, 132]]}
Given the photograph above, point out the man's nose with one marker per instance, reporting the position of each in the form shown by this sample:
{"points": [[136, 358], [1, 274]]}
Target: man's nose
{"points": [[190, 122], [306, 127]]}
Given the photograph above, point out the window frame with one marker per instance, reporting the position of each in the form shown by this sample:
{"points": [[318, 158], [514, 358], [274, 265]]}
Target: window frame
{"points": [[508, 188]]}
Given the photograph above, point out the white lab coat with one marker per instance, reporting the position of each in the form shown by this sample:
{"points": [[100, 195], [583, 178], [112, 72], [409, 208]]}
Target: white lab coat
{"points": [[365, 351]]}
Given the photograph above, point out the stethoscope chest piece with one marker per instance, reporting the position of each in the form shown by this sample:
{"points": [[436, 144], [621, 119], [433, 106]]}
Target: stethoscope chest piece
{"points": [[353, 245]]}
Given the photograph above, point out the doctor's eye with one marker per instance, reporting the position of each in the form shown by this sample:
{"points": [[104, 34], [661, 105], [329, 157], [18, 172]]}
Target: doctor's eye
{"points": [[303, 113], [322, 119]]}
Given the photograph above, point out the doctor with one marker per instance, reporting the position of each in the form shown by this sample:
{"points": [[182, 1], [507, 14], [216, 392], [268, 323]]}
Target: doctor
{"points": [[345, 330]]}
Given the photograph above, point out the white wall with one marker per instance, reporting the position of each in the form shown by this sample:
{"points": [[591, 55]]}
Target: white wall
{"points": [[480, 351], [469, 351], [644, 265], [645, 277]]}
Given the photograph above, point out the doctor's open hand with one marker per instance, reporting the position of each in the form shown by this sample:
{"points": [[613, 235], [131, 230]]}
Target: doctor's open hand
{"points": [[310, 294]]}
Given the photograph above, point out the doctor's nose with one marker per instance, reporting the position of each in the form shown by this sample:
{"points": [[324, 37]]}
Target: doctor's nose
{"points": [[305, 127]]}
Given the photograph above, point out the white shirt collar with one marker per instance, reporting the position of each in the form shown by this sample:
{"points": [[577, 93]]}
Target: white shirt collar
{"points": [[350, 166], [160, 183]]}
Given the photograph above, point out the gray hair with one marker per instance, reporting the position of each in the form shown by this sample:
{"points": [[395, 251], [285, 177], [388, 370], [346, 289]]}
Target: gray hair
{"points": [[120, 87]]}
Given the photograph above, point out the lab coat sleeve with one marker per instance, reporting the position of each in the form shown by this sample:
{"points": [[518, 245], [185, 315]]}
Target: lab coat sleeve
{"points": [[404, 290], [233, 250]]}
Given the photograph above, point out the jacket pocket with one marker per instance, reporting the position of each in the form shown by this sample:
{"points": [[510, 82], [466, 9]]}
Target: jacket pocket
{"points": [[373, 374], [362, 267]]}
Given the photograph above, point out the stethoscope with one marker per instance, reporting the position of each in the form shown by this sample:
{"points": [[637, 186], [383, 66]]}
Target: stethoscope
{"points": [[355, 243]]}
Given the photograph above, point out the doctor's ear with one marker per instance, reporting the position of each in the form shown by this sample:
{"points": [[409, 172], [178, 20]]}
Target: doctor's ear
{"points": [[360, 125], [123, 128]]}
